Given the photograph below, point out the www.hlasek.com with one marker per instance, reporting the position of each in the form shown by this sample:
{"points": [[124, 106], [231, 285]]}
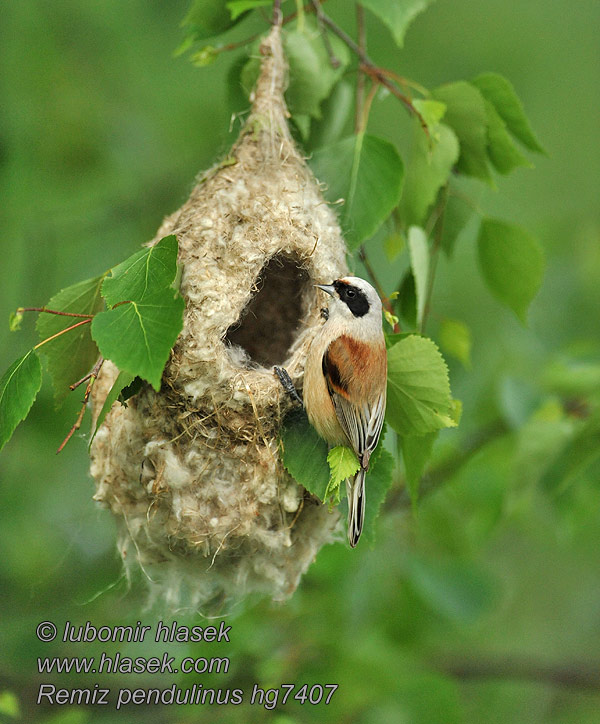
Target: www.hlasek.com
{"points": [[196, 694]]}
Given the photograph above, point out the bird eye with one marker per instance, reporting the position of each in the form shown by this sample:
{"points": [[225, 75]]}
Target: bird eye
{"points": [[351, 293]]}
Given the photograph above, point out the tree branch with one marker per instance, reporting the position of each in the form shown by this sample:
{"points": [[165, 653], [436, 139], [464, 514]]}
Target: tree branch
{"points": [[580, 675]]}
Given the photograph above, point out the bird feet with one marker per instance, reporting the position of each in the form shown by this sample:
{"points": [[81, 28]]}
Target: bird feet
{"points": [[287, 384]]}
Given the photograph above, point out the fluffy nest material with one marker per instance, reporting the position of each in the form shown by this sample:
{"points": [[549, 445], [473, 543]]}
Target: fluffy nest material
{"points": [[193, 473]]}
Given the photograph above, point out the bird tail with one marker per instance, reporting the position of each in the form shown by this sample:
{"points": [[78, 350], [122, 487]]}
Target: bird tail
{"points": [[356, 506]]}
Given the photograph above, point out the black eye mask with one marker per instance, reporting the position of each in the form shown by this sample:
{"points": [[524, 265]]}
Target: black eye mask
{"points": [[353, 297]]}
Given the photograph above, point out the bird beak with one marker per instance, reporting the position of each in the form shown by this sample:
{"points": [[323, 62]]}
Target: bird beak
{"points": [[328, 288]]}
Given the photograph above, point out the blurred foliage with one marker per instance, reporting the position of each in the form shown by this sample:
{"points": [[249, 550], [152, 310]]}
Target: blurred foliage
{"points": [[482, 606]]}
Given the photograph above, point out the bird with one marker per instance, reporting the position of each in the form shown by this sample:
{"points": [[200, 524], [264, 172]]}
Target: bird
{"points": [[345, 381]]}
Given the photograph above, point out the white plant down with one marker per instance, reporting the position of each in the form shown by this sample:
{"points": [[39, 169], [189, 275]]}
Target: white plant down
{"points": [[193, 473]]}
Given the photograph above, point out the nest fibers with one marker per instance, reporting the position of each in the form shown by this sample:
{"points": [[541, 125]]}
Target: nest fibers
{"points": [[193, 473]]}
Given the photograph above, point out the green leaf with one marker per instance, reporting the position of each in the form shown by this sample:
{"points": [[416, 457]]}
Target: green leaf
{"points": [[500, 92], [336, 109], [430, 167], [455, 340], [393, 245], [123, 380], [146, 317], [205, 56], [378, 481], [503, 153], [457, 410], [431, 112], [579, 454], [512, 263], [239, 7], [367, 173], [466, 115], [418, 389], [18, 389], [9, 704], [419, 263], [457, 590], [302, 123], [407, 300], [394, 337], [541, 440], [416, 451], [145, 272], [572, 378], [311, 75], [73, 354], [250, 72], [14, 320], [397, 14], [456, 216], [304, 453], [138, 336], [343, 464], [207, 18]]}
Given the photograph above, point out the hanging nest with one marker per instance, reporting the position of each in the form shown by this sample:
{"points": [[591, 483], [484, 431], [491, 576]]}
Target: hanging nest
{"points": [[193, 473]]}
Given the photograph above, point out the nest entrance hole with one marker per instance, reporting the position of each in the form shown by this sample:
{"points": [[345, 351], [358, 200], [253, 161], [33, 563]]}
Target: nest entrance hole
{"points": [[268, 324]]}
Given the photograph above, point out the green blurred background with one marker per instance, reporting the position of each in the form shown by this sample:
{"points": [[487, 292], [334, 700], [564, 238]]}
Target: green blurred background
{"points": [[485, 606]]}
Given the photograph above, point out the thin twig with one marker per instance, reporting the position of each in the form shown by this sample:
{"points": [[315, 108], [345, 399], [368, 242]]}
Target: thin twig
{"points": [[277, 15], [362, 255], [85, 378], [77, 424], [373, 70], [334, 61], [52, 311]]}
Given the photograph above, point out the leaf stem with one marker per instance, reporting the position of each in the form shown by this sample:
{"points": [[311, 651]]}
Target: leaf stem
{"points": [[405, 82], [63, 331], [52, 311], [367, 108]]}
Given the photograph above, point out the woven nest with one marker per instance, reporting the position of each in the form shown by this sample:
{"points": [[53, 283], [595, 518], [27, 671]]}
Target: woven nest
{"points": [[193, 473]]}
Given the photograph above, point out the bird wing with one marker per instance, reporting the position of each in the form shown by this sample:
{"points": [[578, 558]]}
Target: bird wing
{"points": [[356, 375]]}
